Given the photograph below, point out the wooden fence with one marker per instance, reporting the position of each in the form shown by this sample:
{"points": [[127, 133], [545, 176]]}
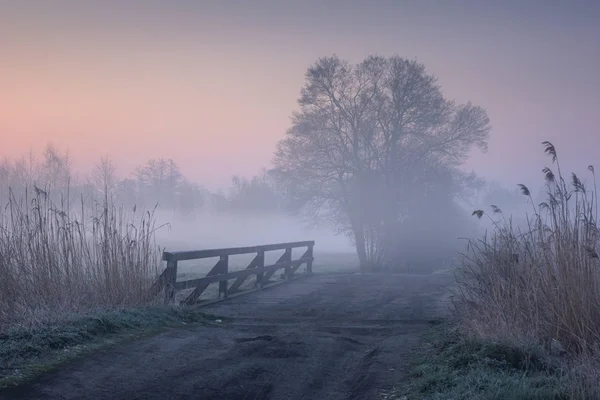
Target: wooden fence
{"points": [[220, 272]]}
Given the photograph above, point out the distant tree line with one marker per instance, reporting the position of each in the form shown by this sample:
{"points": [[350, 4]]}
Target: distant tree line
{"points": [[158, 182]]}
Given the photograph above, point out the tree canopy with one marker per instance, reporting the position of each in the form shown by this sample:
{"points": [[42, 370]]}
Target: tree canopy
{"points": [[368, 141]]}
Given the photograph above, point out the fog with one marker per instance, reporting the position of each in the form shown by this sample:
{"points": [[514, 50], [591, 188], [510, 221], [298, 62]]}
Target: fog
{"points": [[246, 214], [204, 230], [254, 211]]}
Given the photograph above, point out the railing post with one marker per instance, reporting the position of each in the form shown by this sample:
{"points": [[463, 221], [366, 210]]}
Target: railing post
{"points": [[261, 264], [171, 279], [287, 274], [224, 261], [309, 263]]}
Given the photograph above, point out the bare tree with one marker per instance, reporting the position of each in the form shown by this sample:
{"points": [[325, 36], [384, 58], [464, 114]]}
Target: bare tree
{"points": [[360, 128], [104, 178], [55, 170], [257, 194], [160, 180]]}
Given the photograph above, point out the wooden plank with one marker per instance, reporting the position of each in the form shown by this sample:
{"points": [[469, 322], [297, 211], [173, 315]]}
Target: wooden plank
{"points": [[160, 282], [198, 254], [285, 257], [292, 269], [310, 254], [223, 271], [295, 267], [236, 285], [207, 280], [261, 264], [170, 281], [200, 285]]}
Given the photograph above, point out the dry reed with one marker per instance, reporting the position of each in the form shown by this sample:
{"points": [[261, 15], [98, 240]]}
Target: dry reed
{"points": [[539, 285], [55, 261]]}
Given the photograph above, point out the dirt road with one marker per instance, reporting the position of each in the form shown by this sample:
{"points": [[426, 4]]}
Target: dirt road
{"points": [[342, 336]]}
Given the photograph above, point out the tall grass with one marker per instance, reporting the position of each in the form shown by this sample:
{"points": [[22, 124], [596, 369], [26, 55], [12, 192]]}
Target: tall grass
{"points": [[56, 259], [539, 284]]}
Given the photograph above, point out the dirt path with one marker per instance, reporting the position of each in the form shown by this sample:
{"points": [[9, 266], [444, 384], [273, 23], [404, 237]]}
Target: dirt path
{"points": [[324, 337]]}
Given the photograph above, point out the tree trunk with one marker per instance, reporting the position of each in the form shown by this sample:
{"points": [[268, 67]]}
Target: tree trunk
{"points": [[389, 228], [389, 241], [361, 250]]}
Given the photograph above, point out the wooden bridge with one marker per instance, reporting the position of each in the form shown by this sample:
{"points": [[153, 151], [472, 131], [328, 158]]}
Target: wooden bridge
{"points": [[220, 272]]}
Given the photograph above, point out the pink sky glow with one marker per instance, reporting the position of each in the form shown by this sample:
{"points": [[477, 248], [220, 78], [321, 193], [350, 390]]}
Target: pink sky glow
{"points": [[213, 84]]}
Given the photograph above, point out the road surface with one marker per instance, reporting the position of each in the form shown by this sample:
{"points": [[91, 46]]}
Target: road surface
{"points": [[342, 336]]}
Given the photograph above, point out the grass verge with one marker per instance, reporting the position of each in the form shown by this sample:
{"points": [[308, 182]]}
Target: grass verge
{"points": [[26, 353], [449, 365]]}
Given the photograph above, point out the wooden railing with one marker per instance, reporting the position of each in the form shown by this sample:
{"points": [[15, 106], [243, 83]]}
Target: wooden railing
{"points": [[220, 272]]}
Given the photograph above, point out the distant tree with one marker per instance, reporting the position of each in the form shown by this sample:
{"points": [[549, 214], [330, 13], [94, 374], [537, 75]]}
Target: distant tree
{"points": [[127, 193], [192, 197], [257, 194], [350, 155], [508, 200], [104, 178], [55, 170], [160, 181], [218, 202], [18, 173]]}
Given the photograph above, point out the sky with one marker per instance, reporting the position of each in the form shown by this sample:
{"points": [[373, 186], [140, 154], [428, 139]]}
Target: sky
{"points": [[212, 84]]}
